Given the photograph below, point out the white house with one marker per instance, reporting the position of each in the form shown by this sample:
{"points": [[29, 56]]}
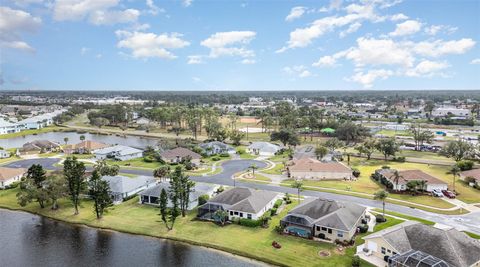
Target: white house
{"points": [[8, 127], [10, 175], [122, 187], [118, 152], [263, 148], [4, 154], [457, 112]]}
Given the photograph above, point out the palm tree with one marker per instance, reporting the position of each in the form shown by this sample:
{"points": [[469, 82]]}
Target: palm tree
{"points": [[161, 172], [396, 179], [454, 171], [381, 195], [82, 137], [65, 140], [299, 186], [253, 167]]}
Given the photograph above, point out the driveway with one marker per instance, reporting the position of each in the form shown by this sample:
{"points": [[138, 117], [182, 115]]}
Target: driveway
{"points": [[47, 163]]}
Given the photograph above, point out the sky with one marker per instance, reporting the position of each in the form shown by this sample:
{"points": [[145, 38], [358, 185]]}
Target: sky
{"points": [[239, 45]]}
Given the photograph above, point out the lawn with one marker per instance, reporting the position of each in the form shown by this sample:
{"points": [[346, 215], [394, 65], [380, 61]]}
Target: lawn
{"points": [[255, 243], [277, 169], [33, 131], [138, 163], [248, 156], [406, 217]]}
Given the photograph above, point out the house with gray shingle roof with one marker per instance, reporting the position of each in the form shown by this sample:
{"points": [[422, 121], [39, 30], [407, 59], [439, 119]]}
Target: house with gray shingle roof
{"points": [[118, 152], [216, 147], [324, 219], [122, 187], [411, 243], [263, 148], [239, 202]]}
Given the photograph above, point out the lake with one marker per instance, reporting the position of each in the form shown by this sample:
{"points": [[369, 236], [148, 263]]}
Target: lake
{"points": [[74, 137], [31, 240]]}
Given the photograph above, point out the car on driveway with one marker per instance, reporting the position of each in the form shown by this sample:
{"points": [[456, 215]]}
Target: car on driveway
{"points": [[437, 193], [448, 194]]}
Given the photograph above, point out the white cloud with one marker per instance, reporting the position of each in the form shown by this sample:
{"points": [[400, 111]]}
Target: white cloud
{"points": [[439, 48], [427, 68], [113, 17], [406, 28], [296, 13], [84, 50], [434, 29], [379, 52], [195, 59], [475, 61], [325, 61], [187, 3], [152, 8], [298, 70], [146, 45], [25, 3], [351, 29], [231, 43], [13, 23], [248, 61], [98, 56], [397, 17], [367, 79]]}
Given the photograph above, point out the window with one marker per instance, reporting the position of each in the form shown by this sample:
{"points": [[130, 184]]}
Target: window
{"points": [[231, 213], [329, 230], [389, 251], [383, 250], [236, 212], [249, 216], [340, 234], [324, 228], [241, 214], [318, 228]]}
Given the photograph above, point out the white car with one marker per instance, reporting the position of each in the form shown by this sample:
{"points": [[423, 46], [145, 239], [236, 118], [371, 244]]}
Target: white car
{"points": [[437, 193]]}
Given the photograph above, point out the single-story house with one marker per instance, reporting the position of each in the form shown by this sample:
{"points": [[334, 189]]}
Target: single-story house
{"points": [[39, 146], [410, 242], [178, 154], [10, 175], [118, 152], [216, 147], [84, 147], [7, 127], [151, 195], [475, 174], [122, 187], [239, 202], [309, 168], [4, 154], [324, 219], [263, 148], [432, 183]]}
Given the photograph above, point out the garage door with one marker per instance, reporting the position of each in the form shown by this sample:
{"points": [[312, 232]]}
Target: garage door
{"points": [[372, 246]]}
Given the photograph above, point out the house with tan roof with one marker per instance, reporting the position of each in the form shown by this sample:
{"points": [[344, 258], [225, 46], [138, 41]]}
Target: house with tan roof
{"points": [[475, 174], [431, 182], [84, 147], [178, 154], [415, 244], [309, 168], [39, 146], [10, 175]]}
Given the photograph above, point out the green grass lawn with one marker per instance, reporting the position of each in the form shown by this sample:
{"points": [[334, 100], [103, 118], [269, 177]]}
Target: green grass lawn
{"points": [[279, 158], [248, 156], [138, 163], [406, 217], [33, 131], [275, 170], [255, 243]]}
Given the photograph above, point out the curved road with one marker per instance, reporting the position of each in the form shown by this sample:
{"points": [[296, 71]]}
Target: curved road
{"points": [[469, 222]]}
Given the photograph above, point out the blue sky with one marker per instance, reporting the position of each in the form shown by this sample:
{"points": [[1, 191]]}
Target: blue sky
{"points": [[239, 45]]}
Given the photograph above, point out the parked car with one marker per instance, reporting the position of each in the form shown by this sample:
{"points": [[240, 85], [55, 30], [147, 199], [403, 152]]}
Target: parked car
{"points": [[437, 193], [448, 194]]}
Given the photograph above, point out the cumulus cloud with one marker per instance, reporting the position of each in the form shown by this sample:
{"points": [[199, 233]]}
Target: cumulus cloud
{"points": [[248, 61], [231, 43], [351, 29], [325, 61], [147, 45], [187, 3], [295, 13], [368, 78], [195, 59], [406, 28], [439, 48], [475, 61], [97, 12], [152, 8], [14, 23], [397, 17], [434, 29], [427, 68], [298, 70]]}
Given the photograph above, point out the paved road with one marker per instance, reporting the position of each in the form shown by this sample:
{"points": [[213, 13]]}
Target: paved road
{"points": [[469, 222]]}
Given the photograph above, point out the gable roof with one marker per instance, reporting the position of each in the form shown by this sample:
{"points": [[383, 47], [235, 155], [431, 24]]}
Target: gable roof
{"points": [[215, 144], [450, 245], [87, 144], [329, 213], [180, 152], [411, 175], [123, 184], [39, 144], [264, 146], [120, 149], [475, 173], [199, 189], [313, 165], [9, 173], [244, 199]]}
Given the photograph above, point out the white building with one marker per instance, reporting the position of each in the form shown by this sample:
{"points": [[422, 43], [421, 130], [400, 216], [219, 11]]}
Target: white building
{"points": [[10, 175], [457, 112], [263, 148], [8, 127], [4, 154], [118, 152]]}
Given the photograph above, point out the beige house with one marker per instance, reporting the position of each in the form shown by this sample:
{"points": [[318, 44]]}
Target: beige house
{"points": [[85, 147], [475, 174], [10, 175], [309, 168], [411, 242], [178, 154], [431, 183]]}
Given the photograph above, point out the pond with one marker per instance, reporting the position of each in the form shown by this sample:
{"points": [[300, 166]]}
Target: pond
{"points": [[31, 240]]}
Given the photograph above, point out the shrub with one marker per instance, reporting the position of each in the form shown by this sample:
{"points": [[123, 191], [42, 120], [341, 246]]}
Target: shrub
{"points": [[215, 158], [465, 165], [356, 173], [12, 185], [399, 159], [380, 219], [278, 229], [287, 198], [220, 190], [278, 203], [249, 222], [356, 261], [385, 167], [203, 199], [240, 151], [224, 155], [273, 212], [363, 228], [148, 159]]}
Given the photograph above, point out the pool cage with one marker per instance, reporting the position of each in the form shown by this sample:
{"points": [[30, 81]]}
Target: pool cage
{"points": [[416, 258], [207, 211]]}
